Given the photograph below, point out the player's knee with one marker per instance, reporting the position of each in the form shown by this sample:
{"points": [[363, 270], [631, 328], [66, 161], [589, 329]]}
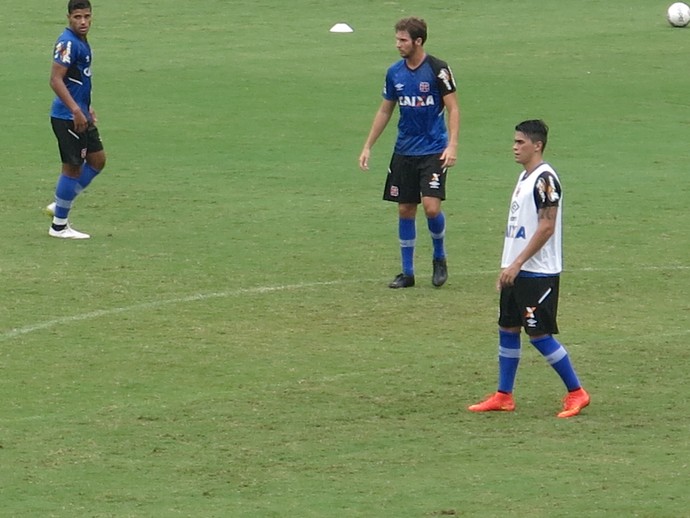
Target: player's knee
{"points": [[407, 210], [432, 207], [432, 211], [97, 162]]}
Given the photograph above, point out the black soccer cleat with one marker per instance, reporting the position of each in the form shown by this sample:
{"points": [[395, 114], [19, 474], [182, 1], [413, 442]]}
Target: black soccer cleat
{"points": [[402, 281], [440, 275]]}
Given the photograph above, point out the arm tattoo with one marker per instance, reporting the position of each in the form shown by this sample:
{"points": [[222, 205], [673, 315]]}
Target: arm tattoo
{"points": [[548, 213]]}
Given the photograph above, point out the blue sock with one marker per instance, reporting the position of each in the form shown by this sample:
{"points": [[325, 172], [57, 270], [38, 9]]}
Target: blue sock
{"points": [[65, 192], [557, 356], [508, 359], [437, 227], [88, 173], [407, 232]]}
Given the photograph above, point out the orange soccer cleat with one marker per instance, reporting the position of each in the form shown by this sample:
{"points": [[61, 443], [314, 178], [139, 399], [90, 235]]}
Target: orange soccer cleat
{"points": [[500, 401], [573, 402]]}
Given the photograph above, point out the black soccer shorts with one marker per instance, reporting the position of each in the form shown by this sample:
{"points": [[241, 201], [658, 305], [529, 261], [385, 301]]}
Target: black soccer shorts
{"points": [[531, 303], [75, 146], [411, 177]]}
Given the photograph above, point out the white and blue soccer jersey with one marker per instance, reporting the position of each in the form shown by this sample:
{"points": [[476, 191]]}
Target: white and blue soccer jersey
{"points": [[535, 191], [419, 94], [75, 54]]}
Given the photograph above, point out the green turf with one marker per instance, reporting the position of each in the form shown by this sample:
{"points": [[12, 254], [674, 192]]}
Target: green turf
{"points": [[225, 344]]}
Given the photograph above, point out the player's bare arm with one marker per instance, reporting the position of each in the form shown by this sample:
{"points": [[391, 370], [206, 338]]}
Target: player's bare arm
{"points": [[383, 115], [545, 229], [450, 154], [57, 83]]}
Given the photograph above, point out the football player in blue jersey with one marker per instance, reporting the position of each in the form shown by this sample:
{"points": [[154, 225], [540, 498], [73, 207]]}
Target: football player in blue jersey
{"points": [[423, 88], [73, 119]]}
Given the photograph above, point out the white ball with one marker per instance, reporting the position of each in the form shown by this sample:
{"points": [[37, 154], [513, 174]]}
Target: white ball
{"points": [[678, 14]]}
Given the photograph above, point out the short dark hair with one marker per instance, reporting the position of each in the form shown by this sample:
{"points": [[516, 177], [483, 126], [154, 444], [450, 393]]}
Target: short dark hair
{"points": [[415, 27], [73, 5], [536, 130]]}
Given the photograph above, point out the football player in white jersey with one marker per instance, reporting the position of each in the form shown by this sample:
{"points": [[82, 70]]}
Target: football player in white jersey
{"points": [[530, 272]]}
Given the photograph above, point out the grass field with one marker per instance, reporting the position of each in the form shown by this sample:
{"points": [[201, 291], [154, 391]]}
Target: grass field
{"points": [[225, 344]]}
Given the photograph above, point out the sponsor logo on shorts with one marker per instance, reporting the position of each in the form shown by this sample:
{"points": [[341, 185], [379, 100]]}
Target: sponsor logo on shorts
{"points": [[435, 182], [529, 316]]}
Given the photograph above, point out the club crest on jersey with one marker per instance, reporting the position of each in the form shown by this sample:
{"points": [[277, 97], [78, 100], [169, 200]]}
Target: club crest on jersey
{"points": [[416, 101], [63, 52], [424, 87]]}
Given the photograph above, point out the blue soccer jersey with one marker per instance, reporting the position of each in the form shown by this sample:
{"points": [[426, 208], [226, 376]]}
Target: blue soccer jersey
{"points": [[75, 54], [419, 94]]}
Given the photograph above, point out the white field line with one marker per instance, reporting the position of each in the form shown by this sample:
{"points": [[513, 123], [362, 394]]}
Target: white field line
{"points": [[13, 333]]}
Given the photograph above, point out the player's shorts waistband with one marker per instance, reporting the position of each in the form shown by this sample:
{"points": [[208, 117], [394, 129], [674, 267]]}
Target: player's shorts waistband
{"points": [[533, 275]]}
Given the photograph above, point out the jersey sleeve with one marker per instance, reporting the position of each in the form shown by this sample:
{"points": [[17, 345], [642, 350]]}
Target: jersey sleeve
{"points": [[547, 191], [64, 53], [389, 92], [444, 76]]}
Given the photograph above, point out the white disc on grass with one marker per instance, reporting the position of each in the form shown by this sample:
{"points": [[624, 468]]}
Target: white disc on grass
{"points": [[342, 27]]}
